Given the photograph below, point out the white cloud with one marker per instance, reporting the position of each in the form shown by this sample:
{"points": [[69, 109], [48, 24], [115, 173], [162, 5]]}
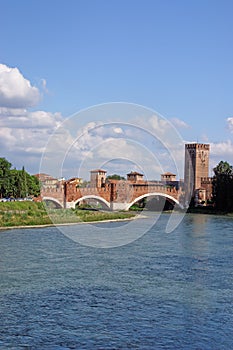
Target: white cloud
{"points": [[220, 151], [125, 151], [87, 138], [158, 125], [21, 118], [28, 131], [151, 145], [7, 139], [224, 149], [98, 144], [118, 130], [160, 128], [15, 90], [230, 124], [179, 123], [24, 135], [44, 85]]}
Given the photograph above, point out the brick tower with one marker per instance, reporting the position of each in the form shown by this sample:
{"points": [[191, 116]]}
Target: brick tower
{"points": [[98, 178], [196, 167]]}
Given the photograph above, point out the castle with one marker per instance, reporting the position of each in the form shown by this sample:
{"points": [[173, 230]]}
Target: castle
{"points": [[196, 186], [197, 183]]}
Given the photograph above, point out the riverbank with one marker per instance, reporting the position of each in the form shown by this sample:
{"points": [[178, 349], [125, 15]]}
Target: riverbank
{"points": [[31, 214], [4, 228], [208, 211]]}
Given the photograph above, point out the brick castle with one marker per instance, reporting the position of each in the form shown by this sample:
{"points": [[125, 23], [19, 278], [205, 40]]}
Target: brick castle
{"points": [[196, 186]]}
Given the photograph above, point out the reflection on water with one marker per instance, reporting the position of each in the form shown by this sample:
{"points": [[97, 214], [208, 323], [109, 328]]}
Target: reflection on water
{"points": [[199, 224], [163, 291]]}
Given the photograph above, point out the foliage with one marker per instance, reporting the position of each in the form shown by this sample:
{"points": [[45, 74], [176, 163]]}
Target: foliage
{"points": [[16, 183], [223, 168], [5, 167], [115, 177], [223, 187]]}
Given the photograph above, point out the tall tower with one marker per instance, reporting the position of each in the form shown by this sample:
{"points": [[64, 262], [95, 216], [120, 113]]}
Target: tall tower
{"points": [[98, 178], [196, 166]]}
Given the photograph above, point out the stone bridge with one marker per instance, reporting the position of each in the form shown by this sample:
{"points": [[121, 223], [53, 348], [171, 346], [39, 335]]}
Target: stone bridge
{"points": [[113, 195]]}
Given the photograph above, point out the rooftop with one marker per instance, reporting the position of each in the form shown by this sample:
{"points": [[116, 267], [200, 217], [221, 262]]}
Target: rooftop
{"points": [[169, 174], [134, 173], [98, 171]]}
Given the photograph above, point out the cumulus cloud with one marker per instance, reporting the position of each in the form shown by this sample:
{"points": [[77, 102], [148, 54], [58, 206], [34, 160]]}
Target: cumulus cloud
{"points": [[24, 135], [94, 146], [118, 130], [15, 90], [224, 149], [161, 129], [87, 138], [179, 123], [230, 124], [27, 130], [93, 134], [125, 155], [158, 125], [151, 144], [220, 151], [23, 119]]}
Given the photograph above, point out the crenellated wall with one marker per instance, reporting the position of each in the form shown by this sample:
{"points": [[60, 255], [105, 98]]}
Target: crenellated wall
{"points": [[116, 194]]}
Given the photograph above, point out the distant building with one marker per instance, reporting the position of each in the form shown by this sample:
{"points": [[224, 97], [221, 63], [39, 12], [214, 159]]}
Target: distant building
{"points": [[134, 176], [169, 179], [203, 195], [47, 181], [98, 178], [197, 183], [76, 181]]}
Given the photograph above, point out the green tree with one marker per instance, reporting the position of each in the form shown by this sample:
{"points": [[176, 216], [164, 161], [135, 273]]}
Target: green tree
{"points": [[14, 183], [115, 177], [5, 167], [223, 187], [17, 183], [223, 168], [33, 185], [23, 188]]}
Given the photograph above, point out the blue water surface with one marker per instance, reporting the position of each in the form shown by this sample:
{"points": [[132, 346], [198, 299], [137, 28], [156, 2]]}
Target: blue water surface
{"points": [[163, 291]]}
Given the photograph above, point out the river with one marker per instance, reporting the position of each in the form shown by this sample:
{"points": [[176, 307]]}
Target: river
{"points": [[161, 291]]}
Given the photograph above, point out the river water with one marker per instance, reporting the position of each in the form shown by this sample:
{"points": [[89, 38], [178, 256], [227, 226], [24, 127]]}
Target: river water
{"points": [[162, 291]]}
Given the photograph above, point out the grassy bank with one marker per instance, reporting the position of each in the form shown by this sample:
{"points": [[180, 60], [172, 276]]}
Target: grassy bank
{"points": [[31, 213]]}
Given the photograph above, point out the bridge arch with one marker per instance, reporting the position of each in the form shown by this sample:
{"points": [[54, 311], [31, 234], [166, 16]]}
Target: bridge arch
{"points": [[98, 198], [152, 194], [54, 200]]}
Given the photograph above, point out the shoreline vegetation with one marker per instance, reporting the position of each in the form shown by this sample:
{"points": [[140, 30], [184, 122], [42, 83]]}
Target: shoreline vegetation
{"points": [[26, 214], [32, 214], [208, 211]]}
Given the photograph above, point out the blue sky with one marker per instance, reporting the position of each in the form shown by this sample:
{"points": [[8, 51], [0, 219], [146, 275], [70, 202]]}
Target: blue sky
{"points": [[175, 57]]}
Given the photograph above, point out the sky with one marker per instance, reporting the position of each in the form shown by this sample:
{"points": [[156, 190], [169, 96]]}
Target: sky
{"points": [[60, 58]]}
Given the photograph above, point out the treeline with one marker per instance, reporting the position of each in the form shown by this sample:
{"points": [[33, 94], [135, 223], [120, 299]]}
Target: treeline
{"points": [[223, 187], [16, 183]]}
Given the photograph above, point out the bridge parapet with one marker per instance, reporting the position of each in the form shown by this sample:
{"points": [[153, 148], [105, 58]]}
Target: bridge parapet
{"points": [[155, 188], [118, 194], [73, 194]]}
